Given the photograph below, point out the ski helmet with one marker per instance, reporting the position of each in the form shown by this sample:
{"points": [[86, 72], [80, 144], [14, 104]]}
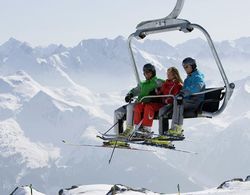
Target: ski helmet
{"points": [[149, 67], [191, 62]]}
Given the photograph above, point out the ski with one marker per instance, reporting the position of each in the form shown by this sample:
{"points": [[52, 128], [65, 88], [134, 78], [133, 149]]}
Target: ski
{"points": [[145, 142], [173, 148], [107, 146], [169, 138]]}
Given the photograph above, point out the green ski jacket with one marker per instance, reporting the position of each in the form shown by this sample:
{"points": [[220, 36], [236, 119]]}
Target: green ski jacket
{"points": [[145, 87]]}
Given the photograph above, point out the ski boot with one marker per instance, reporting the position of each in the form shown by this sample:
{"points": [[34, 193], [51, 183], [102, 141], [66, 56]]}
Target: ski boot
{"points": [[176, 133], [127, 132], [143, 133]]}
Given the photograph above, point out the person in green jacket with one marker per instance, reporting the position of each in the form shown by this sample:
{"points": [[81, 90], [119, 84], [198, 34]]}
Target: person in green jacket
{"points": [[144, 88]]}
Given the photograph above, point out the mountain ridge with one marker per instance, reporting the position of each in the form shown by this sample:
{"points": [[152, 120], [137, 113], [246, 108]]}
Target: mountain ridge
{"points": [[54, 94]]}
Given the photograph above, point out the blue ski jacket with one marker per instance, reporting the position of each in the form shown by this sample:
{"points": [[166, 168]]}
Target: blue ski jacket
{"points": [[194, 83]]}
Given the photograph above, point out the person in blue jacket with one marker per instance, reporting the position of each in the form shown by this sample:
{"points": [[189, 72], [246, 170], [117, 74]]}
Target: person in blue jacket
{"points": [[193, 83]]}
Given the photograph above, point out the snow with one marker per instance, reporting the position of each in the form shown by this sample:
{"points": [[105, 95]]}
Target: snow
{"points": [[9, 101], [234, 187], [54, 93], [247, 86], [41, 60], [90, 189], [26, 191], [13, 142]]}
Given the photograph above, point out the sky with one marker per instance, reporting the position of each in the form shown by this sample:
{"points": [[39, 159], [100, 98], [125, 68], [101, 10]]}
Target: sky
{"points": [[67, 22]]}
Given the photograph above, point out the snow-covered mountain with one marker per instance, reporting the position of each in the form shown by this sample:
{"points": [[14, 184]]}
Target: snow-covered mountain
{"points": [[54, 93], [108, 60], [234, 186]]}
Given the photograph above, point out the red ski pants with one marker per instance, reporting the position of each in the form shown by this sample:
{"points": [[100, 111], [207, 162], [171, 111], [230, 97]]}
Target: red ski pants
{"points": [[146, 113]]}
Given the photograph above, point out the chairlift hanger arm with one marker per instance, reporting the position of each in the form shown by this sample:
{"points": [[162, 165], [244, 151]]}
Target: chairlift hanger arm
{"points": [[177, 9], [132, 58], [173, 15]]}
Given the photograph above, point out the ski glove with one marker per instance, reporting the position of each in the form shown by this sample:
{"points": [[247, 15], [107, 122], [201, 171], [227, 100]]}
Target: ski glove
{"points": [[128, 97]]}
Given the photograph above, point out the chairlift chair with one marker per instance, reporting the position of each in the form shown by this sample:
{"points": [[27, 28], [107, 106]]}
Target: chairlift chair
{"points": [[212, 96], [211, 105]]}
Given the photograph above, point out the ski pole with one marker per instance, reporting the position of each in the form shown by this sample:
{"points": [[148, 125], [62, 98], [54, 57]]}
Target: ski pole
{"points": [[113, 152], [116, 142], [111, 128], [113, 125]]}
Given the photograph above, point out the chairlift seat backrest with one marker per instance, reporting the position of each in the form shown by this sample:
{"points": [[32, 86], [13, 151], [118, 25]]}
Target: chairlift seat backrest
{"points": [[212, 100], [210, 103]]}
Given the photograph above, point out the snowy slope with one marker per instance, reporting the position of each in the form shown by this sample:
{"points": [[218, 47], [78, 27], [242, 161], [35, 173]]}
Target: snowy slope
{"points": [[14, 91], [20, 157], [54, 93], [230, 187], [34, 119]]}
